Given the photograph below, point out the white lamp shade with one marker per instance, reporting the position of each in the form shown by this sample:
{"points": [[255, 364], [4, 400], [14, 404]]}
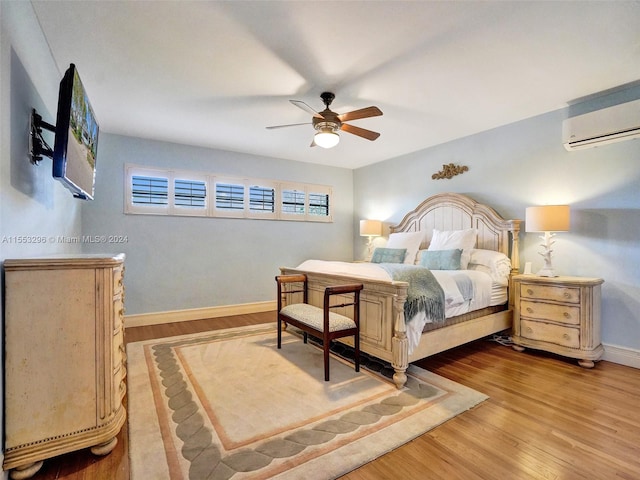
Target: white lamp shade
{"points": [[370, 228], [547, 218], [326, 139]]}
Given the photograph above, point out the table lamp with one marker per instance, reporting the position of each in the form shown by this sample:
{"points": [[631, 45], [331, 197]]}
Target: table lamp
{"points": [[547, 219], [370, 228]]}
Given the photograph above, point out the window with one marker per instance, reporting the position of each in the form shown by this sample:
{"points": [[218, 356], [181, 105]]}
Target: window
{"points": [[229, 196], [168, 192], [190, 193], [149, 190], [262, 199], [319, 204], [165, 192], [305, 202], [293, 202]]}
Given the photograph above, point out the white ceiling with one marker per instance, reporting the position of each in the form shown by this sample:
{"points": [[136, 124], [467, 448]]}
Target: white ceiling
{"points": [[215, 74]]}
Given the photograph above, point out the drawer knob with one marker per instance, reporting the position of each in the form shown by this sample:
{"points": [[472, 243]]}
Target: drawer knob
{"points": [[529, 291], [565, 336], [567, 295], [567, 315], [529, 309], [529, 330]]}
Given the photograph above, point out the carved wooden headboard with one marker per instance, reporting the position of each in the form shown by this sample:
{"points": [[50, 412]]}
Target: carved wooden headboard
{"points": [[453, 211]]}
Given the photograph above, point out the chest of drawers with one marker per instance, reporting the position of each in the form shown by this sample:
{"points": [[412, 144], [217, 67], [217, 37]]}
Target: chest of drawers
{"points": [[65, 364], [559, 315]]}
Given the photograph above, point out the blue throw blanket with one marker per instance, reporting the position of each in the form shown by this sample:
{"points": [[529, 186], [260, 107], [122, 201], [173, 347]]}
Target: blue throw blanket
{"points": [[424, 293]]}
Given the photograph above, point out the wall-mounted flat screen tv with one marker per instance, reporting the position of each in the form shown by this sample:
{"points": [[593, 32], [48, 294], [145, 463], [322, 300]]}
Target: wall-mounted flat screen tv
{"points": [[76, 138]]}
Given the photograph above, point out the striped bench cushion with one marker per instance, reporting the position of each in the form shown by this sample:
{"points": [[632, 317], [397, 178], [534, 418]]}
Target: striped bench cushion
{"points": [[313, 316]]}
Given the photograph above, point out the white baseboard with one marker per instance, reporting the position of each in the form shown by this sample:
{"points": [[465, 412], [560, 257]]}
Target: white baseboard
{"points": [[622, 355], [157, 318]]}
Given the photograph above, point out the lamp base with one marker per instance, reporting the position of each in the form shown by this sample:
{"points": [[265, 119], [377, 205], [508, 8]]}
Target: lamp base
{"points": [[546, 272], [369, 249]]}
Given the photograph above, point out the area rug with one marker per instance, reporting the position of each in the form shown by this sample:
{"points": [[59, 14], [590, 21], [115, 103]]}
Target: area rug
{"points": [[228, 404]]}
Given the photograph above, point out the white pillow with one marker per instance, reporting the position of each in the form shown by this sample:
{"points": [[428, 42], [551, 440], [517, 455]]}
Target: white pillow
{"points": [[450, 239], [496, 264], [409, 240]]}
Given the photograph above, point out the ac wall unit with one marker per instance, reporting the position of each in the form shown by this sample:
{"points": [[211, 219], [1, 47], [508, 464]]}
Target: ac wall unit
{"points": [[613, 124]]}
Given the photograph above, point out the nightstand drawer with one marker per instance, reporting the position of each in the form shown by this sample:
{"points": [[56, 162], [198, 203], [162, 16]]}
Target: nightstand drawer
{"points": [[550, 311], [547, 332], [550, 292]]}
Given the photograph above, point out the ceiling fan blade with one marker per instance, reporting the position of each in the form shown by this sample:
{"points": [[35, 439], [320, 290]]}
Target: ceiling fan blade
{"points": [[289, 125], [361, 132], [306, 108], [362, 113]]}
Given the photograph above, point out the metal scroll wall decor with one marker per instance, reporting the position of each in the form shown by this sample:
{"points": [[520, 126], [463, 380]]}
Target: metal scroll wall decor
{"points": [[449, 171]]}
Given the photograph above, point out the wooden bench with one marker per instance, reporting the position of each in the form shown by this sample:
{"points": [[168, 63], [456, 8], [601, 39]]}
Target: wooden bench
{"points": [[320, 322]]}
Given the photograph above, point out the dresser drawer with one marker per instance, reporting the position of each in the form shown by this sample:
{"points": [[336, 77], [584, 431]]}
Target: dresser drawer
{"points": [[550, 292], [547, 332], [568, 314]]}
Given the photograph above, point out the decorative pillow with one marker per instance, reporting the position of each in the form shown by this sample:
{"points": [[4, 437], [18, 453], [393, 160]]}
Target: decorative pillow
{"points": [[409, 240], [450, 239], [441, 259], [388, 255]]}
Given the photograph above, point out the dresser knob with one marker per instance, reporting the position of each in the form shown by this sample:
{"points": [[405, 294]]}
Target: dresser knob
{"points": [[529, 309], [567, 315], [565, 336], [529, 291], [529, 330], [567, 295]]}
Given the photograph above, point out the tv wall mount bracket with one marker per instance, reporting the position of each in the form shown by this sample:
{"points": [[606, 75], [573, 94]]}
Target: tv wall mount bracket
{"points": [[38, 147]]}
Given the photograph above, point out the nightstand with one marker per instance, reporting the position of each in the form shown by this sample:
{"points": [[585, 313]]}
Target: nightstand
{"points": [[559, 315]]}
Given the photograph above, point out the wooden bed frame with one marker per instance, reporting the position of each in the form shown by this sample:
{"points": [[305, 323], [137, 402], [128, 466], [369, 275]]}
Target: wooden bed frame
{"points": [[382, 321]]}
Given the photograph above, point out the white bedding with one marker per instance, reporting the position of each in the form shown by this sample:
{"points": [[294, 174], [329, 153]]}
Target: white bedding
{"points": [[486, 292]]}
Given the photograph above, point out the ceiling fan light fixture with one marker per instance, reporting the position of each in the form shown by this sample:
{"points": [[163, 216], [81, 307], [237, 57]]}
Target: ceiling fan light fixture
{"points": [[326, 139], [326, 136]]}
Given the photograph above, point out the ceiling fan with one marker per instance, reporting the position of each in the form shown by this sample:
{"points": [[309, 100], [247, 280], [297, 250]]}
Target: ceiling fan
{"points": [[327, 123]]}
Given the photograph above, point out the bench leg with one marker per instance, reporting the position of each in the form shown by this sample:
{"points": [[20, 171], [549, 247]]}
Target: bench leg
{"points": [[326, 346], [279, 333], [356, 344]]}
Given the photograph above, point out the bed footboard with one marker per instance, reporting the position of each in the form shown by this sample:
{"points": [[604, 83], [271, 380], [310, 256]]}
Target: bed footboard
{"points": [[382, 322]]}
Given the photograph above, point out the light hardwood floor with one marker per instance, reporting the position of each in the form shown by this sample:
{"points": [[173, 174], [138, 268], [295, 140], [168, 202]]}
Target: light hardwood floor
{"points": [[546, 418]]}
